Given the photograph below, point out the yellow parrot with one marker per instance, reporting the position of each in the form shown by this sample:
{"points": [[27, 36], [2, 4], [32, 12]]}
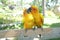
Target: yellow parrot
{"points": [[28, 20], [38, 17]]}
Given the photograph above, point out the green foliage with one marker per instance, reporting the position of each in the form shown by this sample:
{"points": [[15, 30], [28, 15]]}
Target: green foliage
{"points": [[16, 26], [55, 25], [54, 39], [40, 9], [4, 1]]}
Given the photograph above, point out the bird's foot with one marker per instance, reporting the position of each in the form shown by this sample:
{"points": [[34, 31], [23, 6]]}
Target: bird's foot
{"points": [[34, 28]]}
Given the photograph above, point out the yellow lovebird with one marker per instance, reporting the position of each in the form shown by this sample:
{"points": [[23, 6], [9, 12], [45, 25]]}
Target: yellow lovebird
{"points": [[28, 20], [38, 17]]}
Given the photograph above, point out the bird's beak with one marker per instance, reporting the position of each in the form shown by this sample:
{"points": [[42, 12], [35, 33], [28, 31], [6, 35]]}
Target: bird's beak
{"points": [[29, 10]]}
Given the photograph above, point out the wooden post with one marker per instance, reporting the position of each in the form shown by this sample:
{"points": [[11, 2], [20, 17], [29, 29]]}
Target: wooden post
{"points": [[44, 5]]}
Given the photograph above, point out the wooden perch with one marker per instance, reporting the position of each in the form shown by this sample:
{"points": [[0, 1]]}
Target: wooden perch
{"points": [[47, 33], [15, 33]]}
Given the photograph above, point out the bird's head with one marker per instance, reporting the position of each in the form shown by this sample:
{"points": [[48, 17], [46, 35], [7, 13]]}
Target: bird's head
{"points": [[32, 9]]}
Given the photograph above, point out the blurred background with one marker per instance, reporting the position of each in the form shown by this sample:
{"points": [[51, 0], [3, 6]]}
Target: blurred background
{"points": [[11, 13]]}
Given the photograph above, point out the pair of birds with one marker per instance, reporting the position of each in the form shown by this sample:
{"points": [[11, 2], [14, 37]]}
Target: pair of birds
{"points": [[32, 18]]}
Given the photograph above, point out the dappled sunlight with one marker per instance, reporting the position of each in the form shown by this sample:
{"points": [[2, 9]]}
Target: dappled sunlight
{"points": [[50, 14], [8, 15], [50, 21], [27, 1]]}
